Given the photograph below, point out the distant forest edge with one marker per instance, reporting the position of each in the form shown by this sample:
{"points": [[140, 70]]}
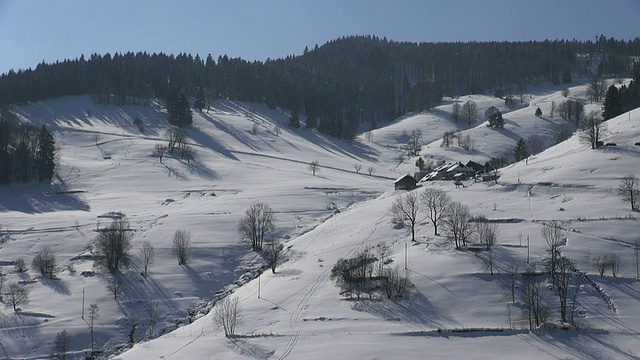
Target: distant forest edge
{"points": [[338, 85]]}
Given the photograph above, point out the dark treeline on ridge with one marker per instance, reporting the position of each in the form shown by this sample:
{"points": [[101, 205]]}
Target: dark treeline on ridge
{"points": [[340, 84], [26, 152]]}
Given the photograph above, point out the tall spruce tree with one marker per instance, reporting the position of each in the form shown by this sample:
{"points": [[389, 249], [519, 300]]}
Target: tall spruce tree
{"points": [[520, 152], [179, 109], [294, 120], [612, 106], [200, 100], [45, 158]]}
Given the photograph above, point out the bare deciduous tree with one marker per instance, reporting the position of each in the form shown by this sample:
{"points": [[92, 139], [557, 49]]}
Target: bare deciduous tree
{"points": [[353, 274], [175, 136], [113, 245], [256, 223], [159, 150], [369, 135], [456, 223], [447, 139], [552, 234], [152, 314], [397, 282], [486, 231], [383, 250], [21, 266], [274, 249], [147, 254], [371, 170], [629, 190], [535, 144], [115, 288], [404, 210], [597, 88], [562, 133], [314, 167], [565, 269], [357, 167], [470, 112], [94, 314], [414, 141], [45, 262], [466, 142], [614, 262], [535, 310], [61, 345], [601, 264], [593, 129], [17, 295], [436, 202], [227, 315], [511, 280], [455, 111], [181, 241], [188, 153]]}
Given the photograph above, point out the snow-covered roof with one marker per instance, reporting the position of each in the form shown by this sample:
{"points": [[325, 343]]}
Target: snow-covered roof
{"points": [[403, 177]]}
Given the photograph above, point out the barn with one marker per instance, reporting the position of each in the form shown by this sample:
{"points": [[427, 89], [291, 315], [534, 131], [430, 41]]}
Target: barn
{"points": [[406, 182]]}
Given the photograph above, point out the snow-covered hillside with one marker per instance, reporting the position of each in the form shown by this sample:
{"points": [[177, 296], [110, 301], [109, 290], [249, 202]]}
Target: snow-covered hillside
{"points": [[299, 313]]}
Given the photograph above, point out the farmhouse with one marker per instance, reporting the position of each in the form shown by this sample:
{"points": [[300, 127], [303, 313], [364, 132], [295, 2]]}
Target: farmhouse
{"points": [[448, 170], [406, 182]]}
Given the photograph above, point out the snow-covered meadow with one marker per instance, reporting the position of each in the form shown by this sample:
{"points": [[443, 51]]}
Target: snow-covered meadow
{"points": [[106, 166]]}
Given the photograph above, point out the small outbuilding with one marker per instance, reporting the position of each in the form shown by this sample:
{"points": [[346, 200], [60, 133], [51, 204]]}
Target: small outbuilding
{"points": [[406, 182]]}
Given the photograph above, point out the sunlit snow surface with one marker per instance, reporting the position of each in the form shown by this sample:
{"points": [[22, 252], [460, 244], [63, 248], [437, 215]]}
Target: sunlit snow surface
{"points": [[106, 166]]}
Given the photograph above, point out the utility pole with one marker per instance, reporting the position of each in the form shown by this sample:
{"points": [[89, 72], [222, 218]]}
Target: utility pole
{"points": [[259, 286], [527, 249], [406, 256]]}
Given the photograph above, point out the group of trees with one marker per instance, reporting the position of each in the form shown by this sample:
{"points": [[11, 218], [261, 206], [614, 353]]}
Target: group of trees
{"points": [[495, 117], [176, 139], [339, 85], [26, 152], [368, 271], [455, 217], [620, 100]]}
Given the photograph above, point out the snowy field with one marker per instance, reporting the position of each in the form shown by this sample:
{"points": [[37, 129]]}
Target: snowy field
{"points": [[106, 166]]}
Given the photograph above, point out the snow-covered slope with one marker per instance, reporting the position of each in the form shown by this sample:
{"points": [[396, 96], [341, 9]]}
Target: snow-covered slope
{"points": [[299, 313]]}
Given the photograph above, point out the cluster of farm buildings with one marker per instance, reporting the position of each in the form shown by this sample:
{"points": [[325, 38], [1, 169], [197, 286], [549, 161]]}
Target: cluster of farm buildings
{"points": [[455, 171]]}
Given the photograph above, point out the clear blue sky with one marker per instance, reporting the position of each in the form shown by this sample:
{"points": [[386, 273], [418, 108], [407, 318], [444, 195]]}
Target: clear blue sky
{"points": [[36, 30]]}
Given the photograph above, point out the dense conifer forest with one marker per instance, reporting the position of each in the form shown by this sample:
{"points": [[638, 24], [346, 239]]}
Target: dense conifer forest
{"points": [[346, 82]]}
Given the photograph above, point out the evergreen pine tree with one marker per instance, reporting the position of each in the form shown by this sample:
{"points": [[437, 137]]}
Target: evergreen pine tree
{"points": [[200, 100], [178, 109], [294, 120], [612, 103], [311, 121], [520, 152], [45, 160]]}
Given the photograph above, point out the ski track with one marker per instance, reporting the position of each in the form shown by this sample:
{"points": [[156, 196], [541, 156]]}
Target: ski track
{"points": [[294, 320]]}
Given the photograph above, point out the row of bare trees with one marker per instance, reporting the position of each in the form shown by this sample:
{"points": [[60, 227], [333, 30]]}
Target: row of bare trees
{"points": [[454, 216]]}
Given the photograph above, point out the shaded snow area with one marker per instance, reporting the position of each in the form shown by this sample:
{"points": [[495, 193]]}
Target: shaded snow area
{"points": [[246, 153]]}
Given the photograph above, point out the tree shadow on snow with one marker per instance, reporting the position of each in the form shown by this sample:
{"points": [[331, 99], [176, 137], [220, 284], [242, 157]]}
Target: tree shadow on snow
{"points": [[414, 308], [244, 348], [587, 344], [39, 198], [58, 285]]}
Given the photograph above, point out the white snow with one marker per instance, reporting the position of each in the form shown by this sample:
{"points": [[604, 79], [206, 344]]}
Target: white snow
{"points": [[300, 313]]}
